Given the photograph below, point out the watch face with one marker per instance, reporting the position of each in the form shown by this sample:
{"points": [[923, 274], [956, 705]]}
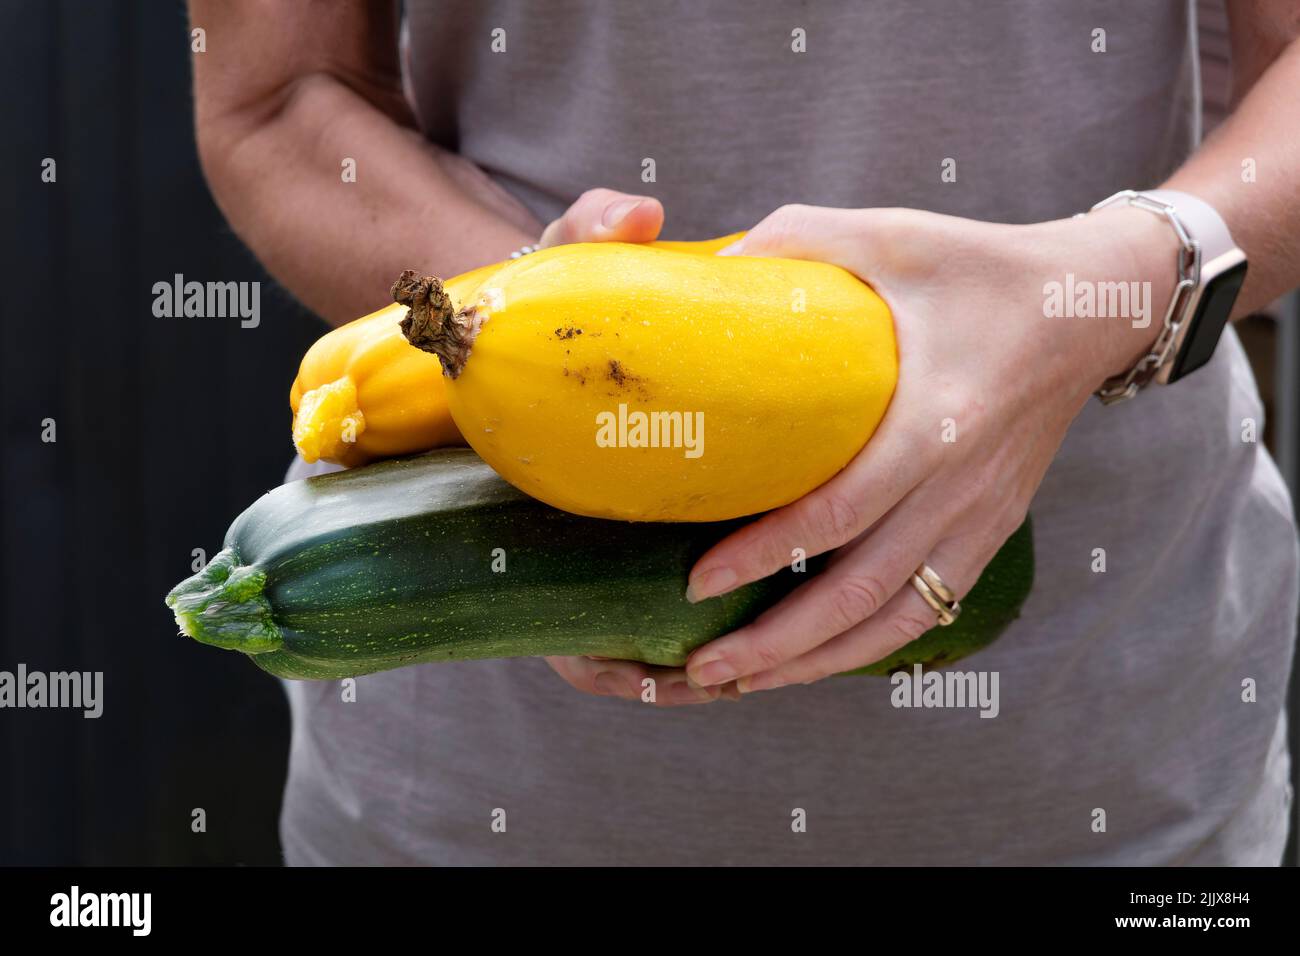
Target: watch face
{"points": [[1207, 324]]}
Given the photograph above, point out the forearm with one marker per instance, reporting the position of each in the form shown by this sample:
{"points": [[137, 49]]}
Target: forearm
{"points": [[1249, 170], [274, 130], [338, 245]]}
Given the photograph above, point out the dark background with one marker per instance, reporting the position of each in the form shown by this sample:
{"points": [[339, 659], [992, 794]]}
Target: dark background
{"points": [[166, 429]]}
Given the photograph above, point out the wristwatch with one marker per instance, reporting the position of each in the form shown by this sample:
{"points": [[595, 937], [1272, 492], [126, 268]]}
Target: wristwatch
{"points": [[1211, 271]]}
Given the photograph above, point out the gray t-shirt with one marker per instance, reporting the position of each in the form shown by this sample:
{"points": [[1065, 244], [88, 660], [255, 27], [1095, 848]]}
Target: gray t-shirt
{"points": [[1119, 691]]}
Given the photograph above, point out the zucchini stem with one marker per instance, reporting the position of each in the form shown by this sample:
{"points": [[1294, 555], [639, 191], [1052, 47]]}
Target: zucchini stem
{"points": [[432, 323], [223, 605]]}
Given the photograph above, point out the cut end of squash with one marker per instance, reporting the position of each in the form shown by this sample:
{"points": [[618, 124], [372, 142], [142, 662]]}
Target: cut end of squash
{"points": [[328, 421], [223, 605]]}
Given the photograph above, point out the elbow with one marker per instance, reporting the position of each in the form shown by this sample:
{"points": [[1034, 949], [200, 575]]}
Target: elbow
{"points": [[211, 158], [216, 146], [233, 141]]}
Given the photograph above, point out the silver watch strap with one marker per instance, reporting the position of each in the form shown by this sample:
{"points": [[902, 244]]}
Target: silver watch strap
{"points": [[1121, 387]]}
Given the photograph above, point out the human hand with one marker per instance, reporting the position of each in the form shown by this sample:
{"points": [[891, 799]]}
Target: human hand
{"points": [[987, 387], [602, 215]]}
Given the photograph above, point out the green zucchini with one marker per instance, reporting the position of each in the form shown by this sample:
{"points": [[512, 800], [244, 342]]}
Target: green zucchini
{"points": [[435, 558]]}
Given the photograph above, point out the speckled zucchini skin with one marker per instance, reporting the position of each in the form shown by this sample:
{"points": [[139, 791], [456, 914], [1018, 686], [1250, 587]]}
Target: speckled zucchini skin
{"points": [[435, 558]]}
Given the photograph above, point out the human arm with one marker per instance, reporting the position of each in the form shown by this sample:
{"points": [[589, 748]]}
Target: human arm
{"points": [[976, 348], [284, 94]]}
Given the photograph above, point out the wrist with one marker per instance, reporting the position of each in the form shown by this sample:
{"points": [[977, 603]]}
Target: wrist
{"points": [[1126, 262]]}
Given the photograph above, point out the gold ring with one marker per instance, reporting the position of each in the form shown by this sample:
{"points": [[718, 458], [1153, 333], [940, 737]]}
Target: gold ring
{"points": [[935, 593]]}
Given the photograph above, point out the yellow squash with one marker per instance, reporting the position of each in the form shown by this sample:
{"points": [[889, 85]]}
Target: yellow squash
{"points": [[363, 393], [650, 384]]}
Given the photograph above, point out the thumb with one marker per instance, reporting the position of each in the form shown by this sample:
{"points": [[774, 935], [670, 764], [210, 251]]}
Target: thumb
{"points": [[853, 239], [603, 215]]}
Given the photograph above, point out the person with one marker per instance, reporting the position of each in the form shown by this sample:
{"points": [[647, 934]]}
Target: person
{"points": [[939, 152]]}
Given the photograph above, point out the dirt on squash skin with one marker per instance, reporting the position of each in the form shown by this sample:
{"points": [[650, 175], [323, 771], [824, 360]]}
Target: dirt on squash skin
{"points": [[625, 382], [614, 371], [580, 375], [567, 333], [618, 374]]}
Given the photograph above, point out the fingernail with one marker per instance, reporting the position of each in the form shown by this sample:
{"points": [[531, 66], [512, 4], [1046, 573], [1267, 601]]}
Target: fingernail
{"points": [[618, 211], [755, 682], [733, 249], [710, 584], [610, 684], [681, 692], [713, 672]]}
